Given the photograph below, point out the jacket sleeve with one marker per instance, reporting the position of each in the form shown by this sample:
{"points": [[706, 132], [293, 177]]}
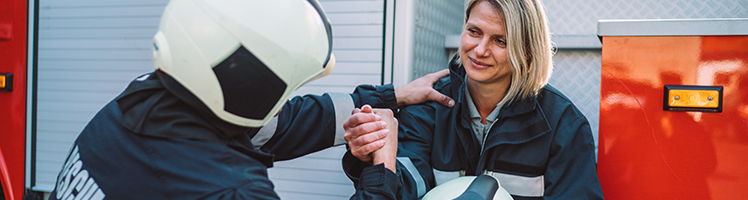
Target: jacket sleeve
{"points": [[414, 148], [314, 122], [376, 96], [375, 182], [571, 171]]}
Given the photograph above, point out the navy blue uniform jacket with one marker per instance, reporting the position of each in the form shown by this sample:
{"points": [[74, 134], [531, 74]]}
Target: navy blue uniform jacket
{"points": [[154, 143], [539, 148]]}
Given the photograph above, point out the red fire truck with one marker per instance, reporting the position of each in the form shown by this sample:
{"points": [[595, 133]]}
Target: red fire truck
{"points": [[13, 48]]}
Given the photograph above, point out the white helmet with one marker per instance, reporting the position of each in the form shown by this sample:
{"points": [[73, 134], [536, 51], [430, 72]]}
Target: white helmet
{"points": [[455, 187], [243, 58]]}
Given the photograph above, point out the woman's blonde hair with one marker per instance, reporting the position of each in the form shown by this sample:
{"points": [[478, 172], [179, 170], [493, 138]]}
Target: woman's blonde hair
{"points": [[529, 47]]}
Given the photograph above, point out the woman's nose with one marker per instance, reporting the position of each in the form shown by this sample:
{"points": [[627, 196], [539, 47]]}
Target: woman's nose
{"points": [[481, 49]]}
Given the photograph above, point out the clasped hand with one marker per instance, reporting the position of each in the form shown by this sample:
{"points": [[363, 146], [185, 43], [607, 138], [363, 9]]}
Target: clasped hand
{"points": [[372, 136]]}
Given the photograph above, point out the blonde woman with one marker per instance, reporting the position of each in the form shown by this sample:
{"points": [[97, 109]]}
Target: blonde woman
{"points": [[506, 122]]}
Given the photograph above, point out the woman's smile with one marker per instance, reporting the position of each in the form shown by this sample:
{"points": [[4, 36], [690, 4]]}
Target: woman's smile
{"points": [[479, 65]]}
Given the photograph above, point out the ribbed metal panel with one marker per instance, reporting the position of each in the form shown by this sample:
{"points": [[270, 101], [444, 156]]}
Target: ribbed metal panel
{"points": [[88, 52], [579, 17], [577, 75], [433, 21]]}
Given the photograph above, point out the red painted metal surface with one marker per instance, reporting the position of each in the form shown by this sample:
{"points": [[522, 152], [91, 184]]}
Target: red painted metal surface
{"points": [[5, 178], [648, 153], [13, 31]]}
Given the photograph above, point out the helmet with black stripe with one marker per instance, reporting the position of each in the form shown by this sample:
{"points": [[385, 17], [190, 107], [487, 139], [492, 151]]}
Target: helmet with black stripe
{"points": [[243, 58]]}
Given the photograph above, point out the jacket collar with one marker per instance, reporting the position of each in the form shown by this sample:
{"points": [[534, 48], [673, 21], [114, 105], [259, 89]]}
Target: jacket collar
{"points": [[526, 106], [156, 105], [458, 86]]}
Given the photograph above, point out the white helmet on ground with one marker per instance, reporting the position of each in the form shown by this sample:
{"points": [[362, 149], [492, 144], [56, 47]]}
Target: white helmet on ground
{"points": [[243, 58]]}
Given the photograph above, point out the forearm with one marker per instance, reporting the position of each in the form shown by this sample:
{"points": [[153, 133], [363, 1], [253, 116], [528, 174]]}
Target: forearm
{"points": [[307, 123]]}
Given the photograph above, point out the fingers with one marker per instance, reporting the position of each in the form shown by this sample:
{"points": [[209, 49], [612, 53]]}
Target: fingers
{"points": [[355, 110], [360, 118], [363, 129], [363, 153], [365, 138], [441, 98], [368, 143], [385, 113], [421, 89], [371, 137], [366, 108], [433, 77]]}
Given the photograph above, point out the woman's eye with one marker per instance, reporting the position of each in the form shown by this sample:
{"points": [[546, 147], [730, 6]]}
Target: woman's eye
{"points": [[500, 42]]}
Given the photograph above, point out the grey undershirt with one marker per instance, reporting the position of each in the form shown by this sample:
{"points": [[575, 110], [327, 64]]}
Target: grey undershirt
{"points": [[479, 129]]}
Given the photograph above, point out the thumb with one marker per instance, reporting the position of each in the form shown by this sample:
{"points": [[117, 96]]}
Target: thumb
{"points": [[434, 77], [366, 109], [440, 74], [441, 98]]}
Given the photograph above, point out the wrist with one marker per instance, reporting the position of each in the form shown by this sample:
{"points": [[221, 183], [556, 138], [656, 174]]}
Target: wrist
{"points": [[384, 157], [398, 98], [389, 161]]}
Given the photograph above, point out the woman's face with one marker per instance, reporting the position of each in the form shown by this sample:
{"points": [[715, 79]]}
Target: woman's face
{"points": [[483, 46]]}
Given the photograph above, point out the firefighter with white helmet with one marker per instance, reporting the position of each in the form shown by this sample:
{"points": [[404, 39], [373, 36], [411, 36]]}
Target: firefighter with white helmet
{"points": [[215, 113]]}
